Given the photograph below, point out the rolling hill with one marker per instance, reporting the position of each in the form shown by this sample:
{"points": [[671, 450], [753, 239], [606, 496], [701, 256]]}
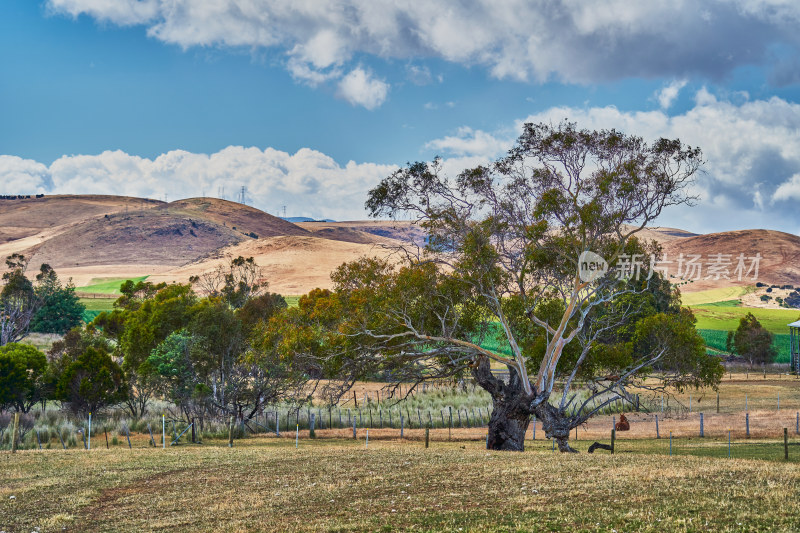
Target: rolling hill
{"points": [[89, 237]]}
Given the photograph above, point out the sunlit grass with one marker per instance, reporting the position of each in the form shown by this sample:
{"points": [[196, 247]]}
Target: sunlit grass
{"points": [[107, 285], [342, 485]]}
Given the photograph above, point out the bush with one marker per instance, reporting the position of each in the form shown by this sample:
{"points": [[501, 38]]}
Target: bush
{"points": [[22, 376], [752, 341], [92, 382]]}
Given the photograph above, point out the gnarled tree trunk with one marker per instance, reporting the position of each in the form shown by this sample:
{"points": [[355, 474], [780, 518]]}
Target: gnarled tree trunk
{"points": [[555, 425], [511, 412]]}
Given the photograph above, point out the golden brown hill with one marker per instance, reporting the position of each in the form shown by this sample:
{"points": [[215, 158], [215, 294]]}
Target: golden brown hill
{"points": [[779, 264], [27, 217], [239, 217], [149, 237], [368, 231]]}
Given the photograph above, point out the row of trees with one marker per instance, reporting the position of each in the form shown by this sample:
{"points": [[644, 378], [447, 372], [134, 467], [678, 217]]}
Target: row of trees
{"points": [[502, 267], [207, 355]]}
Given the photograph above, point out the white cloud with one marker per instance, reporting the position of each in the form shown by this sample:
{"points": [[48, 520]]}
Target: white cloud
{"points": [[23, 176], [667, 95], [752, 153], [469, 142], [569, 40], [308, 182], [359, 87]]}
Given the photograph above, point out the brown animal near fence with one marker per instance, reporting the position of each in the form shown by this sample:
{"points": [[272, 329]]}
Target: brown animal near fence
{"points": [[623, 424]]}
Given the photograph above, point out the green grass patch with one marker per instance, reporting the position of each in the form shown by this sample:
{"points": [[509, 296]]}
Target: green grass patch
{"points": [[107, 285], [98, 304], [726, 318], [95, 306], [292, 300]]}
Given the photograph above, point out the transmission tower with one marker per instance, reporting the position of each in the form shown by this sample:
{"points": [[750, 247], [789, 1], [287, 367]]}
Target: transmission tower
{"points": [[243, 195], [284, 211]]}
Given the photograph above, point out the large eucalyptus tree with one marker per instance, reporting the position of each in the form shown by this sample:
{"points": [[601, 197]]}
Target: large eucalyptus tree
{"points": [[511, 251]]}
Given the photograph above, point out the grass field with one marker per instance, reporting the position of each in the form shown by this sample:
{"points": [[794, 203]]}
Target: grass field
{"points": [[716, 339], [340, 485], [714, 295], [292, 300], [107, 285]]}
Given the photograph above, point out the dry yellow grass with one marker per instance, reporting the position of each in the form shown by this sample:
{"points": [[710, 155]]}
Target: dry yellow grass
{"points": [[268, 485]]}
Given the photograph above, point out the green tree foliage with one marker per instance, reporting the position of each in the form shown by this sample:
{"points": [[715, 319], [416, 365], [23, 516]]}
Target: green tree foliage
{"points": [[91, 382], [681, 351], [752, 341], [60, 309], [144, 316], [171, 366], [203, 353], [22, 377]]}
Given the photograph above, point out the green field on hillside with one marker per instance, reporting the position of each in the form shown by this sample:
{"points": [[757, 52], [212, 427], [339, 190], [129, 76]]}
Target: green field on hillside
{"points": [[716, 339], [107, 285], [724, 316]]}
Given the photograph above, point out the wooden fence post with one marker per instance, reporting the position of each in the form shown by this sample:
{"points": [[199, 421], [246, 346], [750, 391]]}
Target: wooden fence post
{"points": [[450, 429], [402, 424], [717, 402], [613, 440], [701, 425], [658, 435], [230, 432], [311, 433], [786, 443], [194, 435], [427, 436], [15, 434], [747, 425]]}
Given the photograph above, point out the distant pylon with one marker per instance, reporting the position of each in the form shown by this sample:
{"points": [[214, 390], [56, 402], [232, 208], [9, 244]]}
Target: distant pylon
{"points": [[243, 195], [284, 211]]}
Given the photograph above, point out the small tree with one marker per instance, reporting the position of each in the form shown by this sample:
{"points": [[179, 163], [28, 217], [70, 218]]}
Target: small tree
{"points": [[91, 382], [60, 310], [237, 283], [752, 341], [22, 377]]}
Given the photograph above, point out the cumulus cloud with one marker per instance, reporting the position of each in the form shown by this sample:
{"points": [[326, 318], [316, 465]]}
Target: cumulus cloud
{"points": [[752, 151], [308, 182], [359, 87], [567, 40], [469, 142], [667, 95]]}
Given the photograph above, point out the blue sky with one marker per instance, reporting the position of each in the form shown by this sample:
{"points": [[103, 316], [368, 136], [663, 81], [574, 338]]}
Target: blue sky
{"points": [[309, 104]]}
